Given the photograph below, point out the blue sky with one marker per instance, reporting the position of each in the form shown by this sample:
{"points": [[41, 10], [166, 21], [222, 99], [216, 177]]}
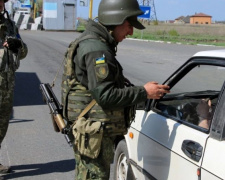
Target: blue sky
{"points": [[172, 9]]}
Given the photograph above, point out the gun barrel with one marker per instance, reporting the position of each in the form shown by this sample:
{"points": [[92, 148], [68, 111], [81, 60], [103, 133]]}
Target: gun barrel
{"points": [[68, 140]]}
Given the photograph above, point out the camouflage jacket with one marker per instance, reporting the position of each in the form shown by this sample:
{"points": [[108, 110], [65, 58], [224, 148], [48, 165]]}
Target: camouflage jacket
{"points": [[10, 61]]}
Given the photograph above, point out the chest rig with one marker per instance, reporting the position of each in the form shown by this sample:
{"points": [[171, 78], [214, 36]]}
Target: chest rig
{"points": [[75, 98]]}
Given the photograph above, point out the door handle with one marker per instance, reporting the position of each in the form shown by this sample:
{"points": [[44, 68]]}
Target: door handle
{"points": [[192, 149]]}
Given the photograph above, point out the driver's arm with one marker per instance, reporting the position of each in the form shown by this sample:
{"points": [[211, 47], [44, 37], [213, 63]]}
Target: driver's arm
{"points": [[204, 113]]}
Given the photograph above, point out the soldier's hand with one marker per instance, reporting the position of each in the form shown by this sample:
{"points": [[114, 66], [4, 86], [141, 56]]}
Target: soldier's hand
{"points": [[13, 44], [155, 90]]}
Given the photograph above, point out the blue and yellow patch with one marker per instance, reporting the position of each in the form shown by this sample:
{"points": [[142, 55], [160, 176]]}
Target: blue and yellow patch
{"points": [[101, 68], [100, 60]]}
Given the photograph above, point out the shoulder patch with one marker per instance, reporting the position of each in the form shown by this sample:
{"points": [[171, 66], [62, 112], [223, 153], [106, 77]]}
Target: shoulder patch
{"points": [[100, 60], [101, 68]]}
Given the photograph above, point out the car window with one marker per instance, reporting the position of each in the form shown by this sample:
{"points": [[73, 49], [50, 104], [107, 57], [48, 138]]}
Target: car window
{"points": [[193, 99]]}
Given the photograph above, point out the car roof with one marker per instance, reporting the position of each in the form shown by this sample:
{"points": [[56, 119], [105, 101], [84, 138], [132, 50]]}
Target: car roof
{"points": [[212, 53]]}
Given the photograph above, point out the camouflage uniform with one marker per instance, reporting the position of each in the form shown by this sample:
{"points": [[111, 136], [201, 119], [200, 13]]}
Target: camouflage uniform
{"points": [[91, 71], [9, 63], [100, 76]]}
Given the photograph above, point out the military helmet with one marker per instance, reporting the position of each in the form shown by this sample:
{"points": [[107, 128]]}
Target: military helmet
{"points": [[115, 12]]}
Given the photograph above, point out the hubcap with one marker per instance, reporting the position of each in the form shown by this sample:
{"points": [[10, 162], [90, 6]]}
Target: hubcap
{"points": [[122, 167]]}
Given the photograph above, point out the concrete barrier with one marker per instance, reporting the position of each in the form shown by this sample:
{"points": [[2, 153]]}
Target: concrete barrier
{"points": [[25, 22]]}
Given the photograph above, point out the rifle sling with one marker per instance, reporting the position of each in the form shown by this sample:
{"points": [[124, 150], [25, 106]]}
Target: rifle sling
{"points": [[85, 111], [88, 107]]}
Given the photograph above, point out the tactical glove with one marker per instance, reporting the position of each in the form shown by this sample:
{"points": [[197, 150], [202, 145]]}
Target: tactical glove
{"points": [[14, 44]]}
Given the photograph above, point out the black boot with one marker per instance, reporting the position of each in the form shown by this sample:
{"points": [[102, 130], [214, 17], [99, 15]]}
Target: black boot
{"points": [[4, 169]]}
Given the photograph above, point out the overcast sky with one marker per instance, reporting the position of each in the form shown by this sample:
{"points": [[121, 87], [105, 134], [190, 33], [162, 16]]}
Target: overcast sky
{"points": [[172, 9]]}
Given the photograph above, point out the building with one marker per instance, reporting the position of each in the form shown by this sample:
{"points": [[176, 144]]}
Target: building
{"points": [[201, 18], [182, 20], [64, 14], [59, 15], [179, 20]]}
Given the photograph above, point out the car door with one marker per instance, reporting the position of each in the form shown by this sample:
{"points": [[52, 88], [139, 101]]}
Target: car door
{"points": [[214, 160], [170, 142]]}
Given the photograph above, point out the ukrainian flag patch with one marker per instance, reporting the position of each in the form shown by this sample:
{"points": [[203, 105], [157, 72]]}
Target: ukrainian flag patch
{"points": [[101, 68], [100, 60]]}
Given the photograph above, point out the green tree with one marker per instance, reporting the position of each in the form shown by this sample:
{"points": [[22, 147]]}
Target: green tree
{"points": [[39, 5]]}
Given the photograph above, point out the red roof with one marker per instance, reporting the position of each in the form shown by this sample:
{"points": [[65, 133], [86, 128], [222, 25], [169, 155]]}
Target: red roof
{"points": [[201, 15]]}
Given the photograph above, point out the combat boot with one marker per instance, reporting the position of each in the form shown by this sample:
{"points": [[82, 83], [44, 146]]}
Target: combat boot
{"points": [[4, 169]]}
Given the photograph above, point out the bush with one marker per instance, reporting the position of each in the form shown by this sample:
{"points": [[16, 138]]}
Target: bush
{"points": [[160, 32], [155, 22], [173, 32]]}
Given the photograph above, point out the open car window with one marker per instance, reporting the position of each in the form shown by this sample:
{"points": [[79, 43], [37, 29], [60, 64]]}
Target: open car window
{"points": [[193, 99]]}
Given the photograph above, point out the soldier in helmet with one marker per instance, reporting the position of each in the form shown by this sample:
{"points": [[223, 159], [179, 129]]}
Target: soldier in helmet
{"points": [[12, 50], [98, 75]]}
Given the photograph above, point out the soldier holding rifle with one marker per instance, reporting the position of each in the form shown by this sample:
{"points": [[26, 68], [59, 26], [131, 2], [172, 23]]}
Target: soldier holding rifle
{"points": [[94, 75]]}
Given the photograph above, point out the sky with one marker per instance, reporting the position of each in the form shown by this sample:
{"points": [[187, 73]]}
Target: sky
{"points": [[172, 9]]}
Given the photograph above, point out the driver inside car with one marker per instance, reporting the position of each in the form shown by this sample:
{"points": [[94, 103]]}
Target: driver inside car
{"points": [[204, 111]]}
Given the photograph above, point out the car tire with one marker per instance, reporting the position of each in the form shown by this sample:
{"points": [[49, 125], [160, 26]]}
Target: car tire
{"points": [[121, 165]]}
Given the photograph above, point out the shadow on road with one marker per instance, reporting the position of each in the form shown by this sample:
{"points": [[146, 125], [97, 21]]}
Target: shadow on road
{"points": [[27, 91], [39, 169], [12, 121]]}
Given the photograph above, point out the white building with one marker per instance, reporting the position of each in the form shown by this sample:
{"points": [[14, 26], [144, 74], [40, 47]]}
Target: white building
{"points": [[63, 14]]}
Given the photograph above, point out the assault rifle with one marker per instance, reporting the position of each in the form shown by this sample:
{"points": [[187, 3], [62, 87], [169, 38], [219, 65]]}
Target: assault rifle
{"points": [[56, 110]]}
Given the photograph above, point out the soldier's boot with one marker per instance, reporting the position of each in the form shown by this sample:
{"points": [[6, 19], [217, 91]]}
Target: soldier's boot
{"points": [[4, 169]]}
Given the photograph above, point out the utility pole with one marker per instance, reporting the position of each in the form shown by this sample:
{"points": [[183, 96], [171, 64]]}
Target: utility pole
{"points": [[150, 3], [90, 9], [35, 9]]}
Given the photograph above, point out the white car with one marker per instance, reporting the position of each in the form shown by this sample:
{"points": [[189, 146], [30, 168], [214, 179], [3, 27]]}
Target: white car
{"points": [[167, 140]]}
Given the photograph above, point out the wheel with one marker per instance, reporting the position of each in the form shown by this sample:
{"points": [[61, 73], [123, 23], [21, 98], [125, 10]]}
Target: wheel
{"points": [[121, 166]]}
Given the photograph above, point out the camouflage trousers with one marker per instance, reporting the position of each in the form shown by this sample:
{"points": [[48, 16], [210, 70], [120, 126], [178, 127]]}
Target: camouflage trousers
{"points": [[7, 83], [99, 168]]}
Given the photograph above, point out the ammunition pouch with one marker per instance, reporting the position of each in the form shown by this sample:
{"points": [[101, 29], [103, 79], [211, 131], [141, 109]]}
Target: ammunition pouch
{"points": [[88, 137]]}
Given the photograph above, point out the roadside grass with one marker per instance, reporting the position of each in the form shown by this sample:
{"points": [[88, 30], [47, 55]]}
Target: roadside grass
{"points": [[213, 34]]}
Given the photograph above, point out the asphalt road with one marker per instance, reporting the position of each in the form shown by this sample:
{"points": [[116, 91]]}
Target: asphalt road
{"points": [[31, 147]]}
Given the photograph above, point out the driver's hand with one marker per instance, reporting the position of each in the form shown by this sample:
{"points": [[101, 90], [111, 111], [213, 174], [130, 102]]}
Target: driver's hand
{"points": [[204, 109]]}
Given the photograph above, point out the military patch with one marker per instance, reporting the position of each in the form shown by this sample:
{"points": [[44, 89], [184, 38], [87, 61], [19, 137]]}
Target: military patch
{"points": [[100, 60], [101, 71]]}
